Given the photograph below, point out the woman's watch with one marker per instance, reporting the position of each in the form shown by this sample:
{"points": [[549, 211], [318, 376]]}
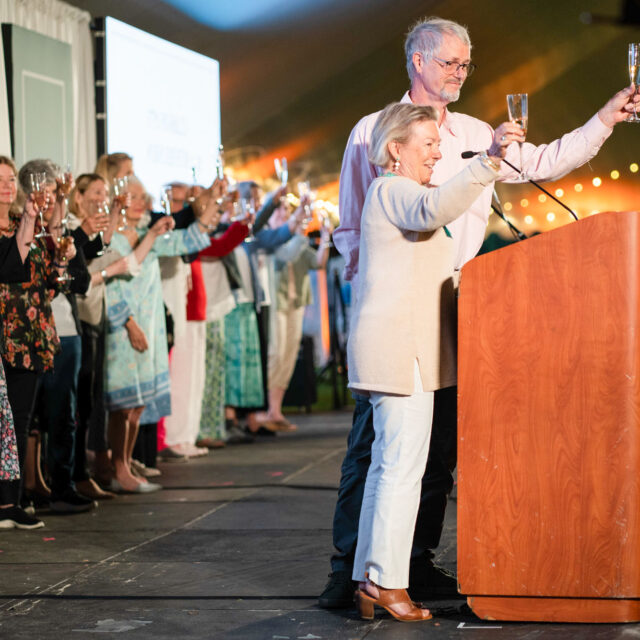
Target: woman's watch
{"points": [[103, 273]]}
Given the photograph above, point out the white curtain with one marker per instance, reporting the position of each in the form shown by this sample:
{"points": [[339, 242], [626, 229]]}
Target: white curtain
{"points": [[61, 21]]}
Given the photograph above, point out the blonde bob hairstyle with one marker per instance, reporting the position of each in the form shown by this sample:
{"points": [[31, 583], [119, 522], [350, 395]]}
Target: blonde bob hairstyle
{"points": [[83, 182], [394, 124]]}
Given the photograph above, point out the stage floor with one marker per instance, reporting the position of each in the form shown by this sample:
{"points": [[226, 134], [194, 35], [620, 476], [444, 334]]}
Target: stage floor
{"points": [[236, 546]]}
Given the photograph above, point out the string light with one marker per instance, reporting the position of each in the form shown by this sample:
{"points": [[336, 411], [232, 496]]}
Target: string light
{"points": [[633, 167], [596, 182], [551, 216], [578, 187], [528, 219], [559, 193], [524, 202], [508, 206], [615, 174], [542, 198]]}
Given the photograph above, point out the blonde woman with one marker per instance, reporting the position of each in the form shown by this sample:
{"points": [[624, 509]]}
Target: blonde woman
{"points": [[402, 342]]}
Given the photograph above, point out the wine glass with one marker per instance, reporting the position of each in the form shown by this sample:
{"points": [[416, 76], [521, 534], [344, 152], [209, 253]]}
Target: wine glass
{"points": [[37, 182], [62, 246], [220, 163], [304, 189], [634, 74], [194, 180], [518, 107], [100, 209], [166, 196], [120, 189], [64, 180], [282, 170], [248, 208]]}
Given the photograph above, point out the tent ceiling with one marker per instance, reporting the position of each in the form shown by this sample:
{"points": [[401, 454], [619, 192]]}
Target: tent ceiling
{"points": [[295, 81]]}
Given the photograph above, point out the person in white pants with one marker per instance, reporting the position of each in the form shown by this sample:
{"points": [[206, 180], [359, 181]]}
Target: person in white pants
{"points": [[402, 342]]}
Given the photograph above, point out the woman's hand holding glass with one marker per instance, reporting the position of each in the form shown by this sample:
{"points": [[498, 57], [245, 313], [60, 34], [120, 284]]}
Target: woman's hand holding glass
{"points": [[219, 189], [299, 218], [166, 199], [162, 226], [122, 199], [30, 207], [37, 182], [97, 220], [65, 251], [207, 204]]}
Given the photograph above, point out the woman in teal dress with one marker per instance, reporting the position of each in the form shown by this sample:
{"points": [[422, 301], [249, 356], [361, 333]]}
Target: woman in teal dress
{"points": [[137, 358]]}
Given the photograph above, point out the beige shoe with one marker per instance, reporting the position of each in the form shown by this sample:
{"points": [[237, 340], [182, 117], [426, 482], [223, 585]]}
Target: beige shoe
{"points": [[140, 469], [90, 489]]}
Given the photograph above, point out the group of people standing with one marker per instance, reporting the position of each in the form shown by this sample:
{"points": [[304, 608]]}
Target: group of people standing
{"points": [[412, 213], [97, 288]]}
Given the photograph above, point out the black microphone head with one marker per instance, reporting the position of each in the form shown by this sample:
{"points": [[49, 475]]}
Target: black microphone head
{"points": [[468, 154]]}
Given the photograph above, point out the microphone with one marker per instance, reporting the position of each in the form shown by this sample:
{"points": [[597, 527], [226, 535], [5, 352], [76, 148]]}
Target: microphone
{"points": [[469, 154]]}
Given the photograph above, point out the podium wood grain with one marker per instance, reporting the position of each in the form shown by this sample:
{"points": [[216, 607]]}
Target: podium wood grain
{"points": [[549, 422]]}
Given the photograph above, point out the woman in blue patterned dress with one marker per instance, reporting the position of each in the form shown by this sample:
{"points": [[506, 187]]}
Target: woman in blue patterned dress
{"points": [[137, 358]]}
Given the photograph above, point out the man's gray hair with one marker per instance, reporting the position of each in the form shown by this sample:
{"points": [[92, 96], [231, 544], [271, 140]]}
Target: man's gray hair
{"points": [[425, 37]]}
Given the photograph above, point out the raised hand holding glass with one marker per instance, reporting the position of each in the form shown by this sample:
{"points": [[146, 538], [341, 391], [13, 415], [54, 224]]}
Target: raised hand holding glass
{"points": [[518, 107]]}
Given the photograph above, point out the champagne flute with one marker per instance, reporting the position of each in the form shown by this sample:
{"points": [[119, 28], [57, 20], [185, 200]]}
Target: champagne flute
{"points": [[166, 195], [220, 163], [518, 106], [63, 243], [64, 180], [282, 170], [304, 189], [37, 182], [634, 74], [194, 180], [248, 208], [100, 209], [120, 188]]}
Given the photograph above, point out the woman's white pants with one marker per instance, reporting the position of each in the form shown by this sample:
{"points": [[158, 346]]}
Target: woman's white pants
{"points": [[402, 426]]}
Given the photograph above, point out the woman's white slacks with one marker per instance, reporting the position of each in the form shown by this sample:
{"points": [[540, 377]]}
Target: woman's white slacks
{"points": [[402, 426]]}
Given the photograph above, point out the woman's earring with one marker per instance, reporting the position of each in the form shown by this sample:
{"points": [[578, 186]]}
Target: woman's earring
{"points": [[396, 165]]}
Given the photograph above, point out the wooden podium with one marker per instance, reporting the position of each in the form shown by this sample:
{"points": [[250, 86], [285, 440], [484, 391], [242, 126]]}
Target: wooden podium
{"points": [[549, 426]]}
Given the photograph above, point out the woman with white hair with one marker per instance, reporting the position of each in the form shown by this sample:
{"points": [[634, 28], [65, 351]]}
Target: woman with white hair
{"points": [[402, 342]]}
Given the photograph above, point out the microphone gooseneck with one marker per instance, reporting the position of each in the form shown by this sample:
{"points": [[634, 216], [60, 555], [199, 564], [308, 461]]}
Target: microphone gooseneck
{"points": [[497, 209], [469, 154]]}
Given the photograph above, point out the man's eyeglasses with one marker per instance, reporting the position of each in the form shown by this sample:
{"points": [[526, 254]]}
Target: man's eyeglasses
{"points": [[450, 67]]}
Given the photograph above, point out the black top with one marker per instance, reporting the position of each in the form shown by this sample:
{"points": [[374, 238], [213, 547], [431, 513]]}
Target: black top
{"points": [[12, 269]]}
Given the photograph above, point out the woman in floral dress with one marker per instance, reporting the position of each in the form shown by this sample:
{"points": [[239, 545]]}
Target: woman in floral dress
{"points": [[28, 340]]}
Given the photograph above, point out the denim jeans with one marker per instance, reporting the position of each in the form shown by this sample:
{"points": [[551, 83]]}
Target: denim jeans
{"points": [[437, 481], [58, 403]]}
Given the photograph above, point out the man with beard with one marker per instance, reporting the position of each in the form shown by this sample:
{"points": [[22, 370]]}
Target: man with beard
{"points": [[438, 54]]}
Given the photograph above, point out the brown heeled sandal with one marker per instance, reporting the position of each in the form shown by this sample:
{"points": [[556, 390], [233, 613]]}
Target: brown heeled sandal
{"points": [[387, 597]]}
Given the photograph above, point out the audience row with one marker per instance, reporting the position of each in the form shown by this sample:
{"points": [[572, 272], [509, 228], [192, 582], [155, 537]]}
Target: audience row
{"points": [[129, 334]]}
